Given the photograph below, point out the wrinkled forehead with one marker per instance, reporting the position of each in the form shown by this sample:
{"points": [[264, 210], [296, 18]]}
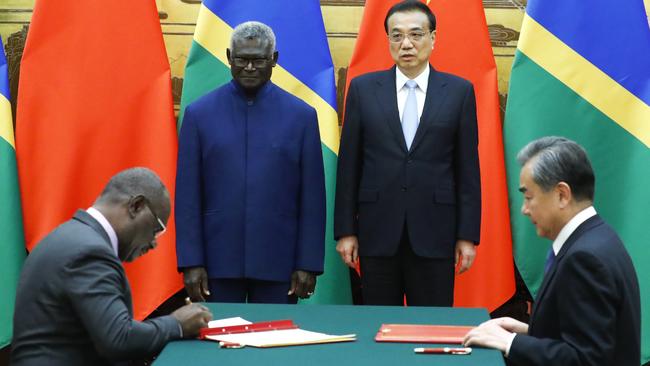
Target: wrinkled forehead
{"points": [[253, 47], [408, 21]]}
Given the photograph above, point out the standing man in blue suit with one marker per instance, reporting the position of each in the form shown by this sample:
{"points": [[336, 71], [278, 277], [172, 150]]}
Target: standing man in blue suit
{"points": [[250, 190], [408, 192], [587, 310]]}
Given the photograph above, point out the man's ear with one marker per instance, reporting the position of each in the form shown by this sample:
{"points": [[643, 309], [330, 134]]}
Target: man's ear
{"points": [[275, 58], [433, 40], [228, 56], [565, 195], [136, 204]]}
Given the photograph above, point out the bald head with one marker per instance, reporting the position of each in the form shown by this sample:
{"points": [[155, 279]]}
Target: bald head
{"points": [[134, 182]]}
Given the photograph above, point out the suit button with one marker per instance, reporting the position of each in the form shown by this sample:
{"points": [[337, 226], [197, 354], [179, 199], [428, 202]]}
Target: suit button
{"points": [[403, 189], [409, 161]]}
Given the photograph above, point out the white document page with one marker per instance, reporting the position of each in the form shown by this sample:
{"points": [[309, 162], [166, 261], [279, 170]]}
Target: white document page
{"points": [[228, 322], [279, 338]]}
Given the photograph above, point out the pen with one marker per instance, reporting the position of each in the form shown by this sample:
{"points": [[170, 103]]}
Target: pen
{"points": [[224, 344], [444, 350]]}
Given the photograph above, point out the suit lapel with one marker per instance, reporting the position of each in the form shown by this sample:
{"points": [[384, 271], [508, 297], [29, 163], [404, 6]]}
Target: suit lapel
{"points": [[435, 96], [548, 277], [585, 226], [387, 96], [85, 217]]}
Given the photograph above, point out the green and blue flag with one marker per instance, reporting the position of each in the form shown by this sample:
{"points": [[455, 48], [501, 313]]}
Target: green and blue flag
{"points": [[12, 244], [582, 70]]}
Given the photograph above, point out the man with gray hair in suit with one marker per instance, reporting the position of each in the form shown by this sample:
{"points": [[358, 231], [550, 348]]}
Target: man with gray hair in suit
{"points": [[250, 187], [587, 309], [73, 304]]}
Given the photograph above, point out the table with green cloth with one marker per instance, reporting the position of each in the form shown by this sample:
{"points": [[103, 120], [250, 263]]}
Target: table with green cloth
{"points": [[364, 321]]}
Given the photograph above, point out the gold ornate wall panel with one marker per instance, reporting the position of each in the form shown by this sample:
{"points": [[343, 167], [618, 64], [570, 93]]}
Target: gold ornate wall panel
{"points": [[342, 24], [177, 21], [14, 20], [342, 19]]}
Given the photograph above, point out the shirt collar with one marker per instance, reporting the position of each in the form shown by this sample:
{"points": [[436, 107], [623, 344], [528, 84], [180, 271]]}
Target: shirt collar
{"points": [[422, 80], [106, 225], [571, 226]]}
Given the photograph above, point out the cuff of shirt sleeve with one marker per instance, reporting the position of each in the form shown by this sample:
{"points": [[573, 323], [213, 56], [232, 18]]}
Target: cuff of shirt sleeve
{"points": [[180, 330], [512, 338]]}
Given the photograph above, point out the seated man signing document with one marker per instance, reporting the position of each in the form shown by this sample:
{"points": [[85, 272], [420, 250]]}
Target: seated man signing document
{"points": [[73, 304], [587, 309]]}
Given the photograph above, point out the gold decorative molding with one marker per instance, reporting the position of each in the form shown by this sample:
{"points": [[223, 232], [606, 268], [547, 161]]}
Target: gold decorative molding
{"points": [[342, 2], [501, 36], [505, 4], [342, 34]]}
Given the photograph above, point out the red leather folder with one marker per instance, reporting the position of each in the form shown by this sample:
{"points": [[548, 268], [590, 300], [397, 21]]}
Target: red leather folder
{"points": [[248, 328], [276, 333], [417, 333]]}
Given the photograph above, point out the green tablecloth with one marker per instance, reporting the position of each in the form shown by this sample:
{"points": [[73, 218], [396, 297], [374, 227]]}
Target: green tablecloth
{"points": [[364, 321]]}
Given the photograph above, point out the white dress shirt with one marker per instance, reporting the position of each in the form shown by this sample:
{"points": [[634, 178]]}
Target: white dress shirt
{"points": [[107, 227], [571, 226]]}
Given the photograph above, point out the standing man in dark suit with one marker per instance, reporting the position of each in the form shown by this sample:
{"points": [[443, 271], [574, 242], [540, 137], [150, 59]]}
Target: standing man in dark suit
{"points": [[73, 304], [587, 310], [408, 196], [250, 188]]}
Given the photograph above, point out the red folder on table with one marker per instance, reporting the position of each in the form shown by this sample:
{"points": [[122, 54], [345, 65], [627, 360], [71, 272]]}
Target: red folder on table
{"points": [[248, 328], [276, 333], [418, 333]]}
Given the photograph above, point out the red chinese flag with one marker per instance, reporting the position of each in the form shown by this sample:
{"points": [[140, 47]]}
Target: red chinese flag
{"points": [[462, 47], [94, 99]]}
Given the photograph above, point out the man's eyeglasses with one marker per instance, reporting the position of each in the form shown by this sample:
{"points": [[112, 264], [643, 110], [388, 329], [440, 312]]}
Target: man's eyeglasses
{"points": [[161, 230], [415, 36], [257, 63]]}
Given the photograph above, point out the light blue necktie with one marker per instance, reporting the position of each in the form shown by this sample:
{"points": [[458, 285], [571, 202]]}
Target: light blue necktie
{"points": [[410, 118]]}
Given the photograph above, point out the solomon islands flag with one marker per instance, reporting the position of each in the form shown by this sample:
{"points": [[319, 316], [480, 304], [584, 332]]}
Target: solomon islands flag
{"points": [[582, 70]]}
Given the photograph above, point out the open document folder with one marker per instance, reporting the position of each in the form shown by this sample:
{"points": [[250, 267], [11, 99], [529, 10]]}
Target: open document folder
{"points": [[277, 333]]}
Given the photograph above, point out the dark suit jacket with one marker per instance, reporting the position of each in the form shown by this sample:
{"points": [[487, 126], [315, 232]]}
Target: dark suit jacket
{"points": [[434, 188], [250, 187], [587, 311], [73, 305]]}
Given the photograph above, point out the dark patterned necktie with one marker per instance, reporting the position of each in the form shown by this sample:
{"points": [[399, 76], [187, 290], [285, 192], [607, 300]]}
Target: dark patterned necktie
{"points": [[550, 259]]}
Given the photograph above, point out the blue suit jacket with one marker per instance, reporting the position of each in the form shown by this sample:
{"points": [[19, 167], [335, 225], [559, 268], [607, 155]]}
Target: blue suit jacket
{"points": [[250, 189]]}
